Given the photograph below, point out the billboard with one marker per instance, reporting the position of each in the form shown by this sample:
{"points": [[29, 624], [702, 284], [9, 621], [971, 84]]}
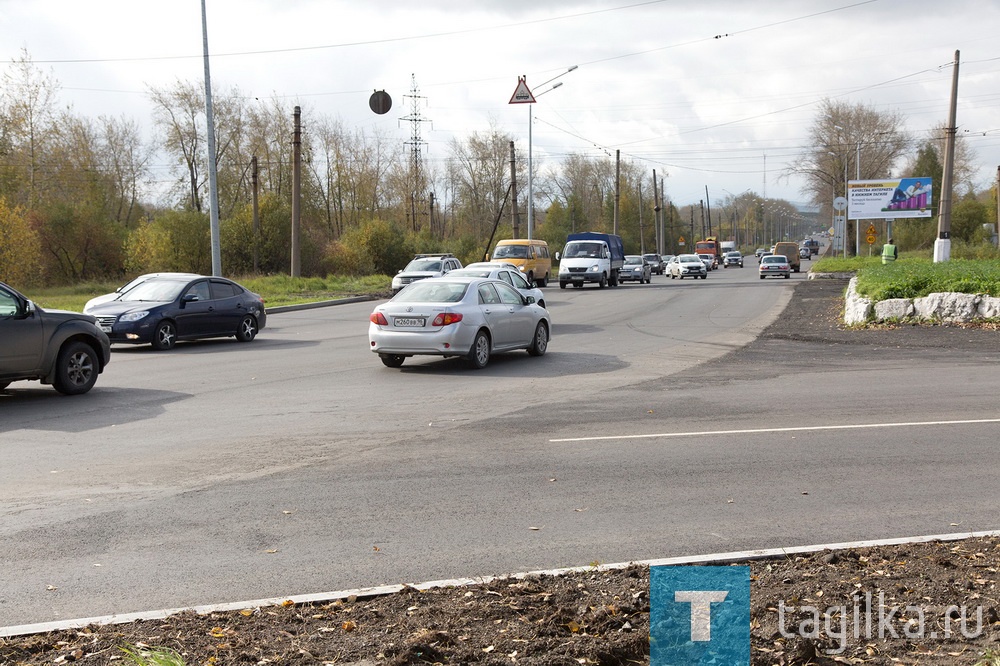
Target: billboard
{"points": [[889, 199]]}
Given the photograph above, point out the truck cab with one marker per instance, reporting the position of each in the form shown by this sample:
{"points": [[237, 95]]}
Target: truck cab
{"points": [[591, 257]]}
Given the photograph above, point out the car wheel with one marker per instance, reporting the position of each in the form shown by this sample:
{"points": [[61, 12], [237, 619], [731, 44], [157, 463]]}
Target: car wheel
{"points": [[541, 340], [165, 336], [544, 282], [531, 279], [761, 277], [788, 275], [704, 277], [672, 276], [247, 330], [604, 282], [391, 360], [562, 285], [479, 355], [76, 369]]}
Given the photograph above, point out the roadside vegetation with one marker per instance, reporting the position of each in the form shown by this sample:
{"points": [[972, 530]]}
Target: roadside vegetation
{"points": [[973, 269]]}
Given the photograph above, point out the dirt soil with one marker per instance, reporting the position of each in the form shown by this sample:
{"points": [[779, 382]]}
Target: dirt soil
{"points": [[878, 605]]}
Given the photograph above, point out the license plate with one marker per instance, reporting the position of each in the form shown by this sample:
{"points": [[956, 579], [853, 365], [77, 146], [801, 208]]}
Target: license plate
{"points": [[408, 322], [106, 329]]}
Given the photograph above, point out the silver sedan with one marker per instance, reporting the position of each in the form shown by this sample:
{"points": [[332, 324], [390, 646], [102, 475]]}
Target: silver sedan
{"points": [[467, 317]]}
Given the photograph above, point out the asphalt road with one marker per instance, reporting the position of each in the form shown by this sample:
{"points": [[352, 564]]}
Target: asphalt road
{"points": [[662, 422]]}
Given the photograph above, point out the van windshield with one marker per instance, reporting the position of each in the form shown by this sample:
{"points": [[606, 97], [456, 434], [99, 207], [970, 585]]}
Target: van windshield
{"points": [[511, 252], [583, 249]]}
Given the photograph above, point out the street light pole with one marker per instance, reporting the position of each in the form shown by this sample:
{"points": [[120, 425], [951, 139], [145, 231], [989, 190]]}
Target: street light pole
{"points": [[531, 173]]}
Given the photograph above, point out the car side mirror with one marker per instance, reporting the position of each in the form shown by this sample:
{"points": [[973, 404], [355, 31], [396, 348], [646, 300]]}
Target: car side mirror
{"points": [[529, 299], [557, 256]]}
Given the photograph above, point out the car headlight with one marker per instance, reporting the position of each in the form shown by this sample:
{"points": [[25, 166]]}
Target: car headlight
{"points": [[595, 268], [133, 316]]}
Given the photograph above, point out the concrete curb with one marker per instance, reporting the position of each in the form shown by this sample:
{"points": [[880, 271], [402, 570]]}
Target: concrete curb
{"points": [[324, 597], [323, 304]]}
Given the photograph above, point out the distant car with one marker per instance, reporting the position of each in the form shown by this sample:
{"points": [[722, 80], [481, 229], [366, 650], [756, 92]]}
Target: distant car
{"points": [[509, 273], [759, 251], [656, 262], [466, 317], [636, 269], [763, 254], [688, 265], [804, 253], [734, 258], [165, 309], [424, 266], [64, 349], [774, 265], [710, 261], [667, 258]]}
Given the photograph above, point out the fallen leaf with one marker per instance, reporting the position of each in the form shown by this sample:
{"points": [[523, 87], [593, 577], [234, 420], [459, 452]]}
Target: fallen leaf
{"points": [[349, 625], [51, 588], [271, 551], [535, 528], [489, 649]]}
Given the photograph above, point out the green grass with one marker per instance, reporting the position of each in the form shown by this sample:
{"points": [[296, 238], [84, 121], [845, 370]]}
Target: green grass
{"points": [[915, 278], [151, 656], [276, 290]]}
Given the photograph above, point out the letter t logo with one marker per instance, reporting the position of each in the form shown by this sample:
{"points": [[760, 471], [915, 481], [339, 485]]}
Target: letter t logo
{"points": [[701, 611]]}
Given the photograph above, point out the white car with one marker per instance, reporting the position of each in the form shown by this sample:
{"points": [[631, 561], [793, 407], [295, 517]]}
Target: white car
{"points": [[424, 266], [509, 273], [687, 265], [467, 317]]}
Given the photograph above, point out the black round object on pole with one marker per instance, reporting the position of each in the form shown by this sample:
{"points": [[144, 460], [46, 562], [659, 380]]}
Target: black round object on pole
{"points": [[380, 102]]}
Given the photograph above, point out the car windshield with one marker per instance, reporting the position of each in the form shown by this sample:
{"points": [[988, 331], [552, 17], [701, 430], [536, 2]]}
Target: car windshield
{"points": [[510, 252], [430, 265], [650, 257], [774, 259], [688, 258], [155, 290], [431, 291], [633, 260]]}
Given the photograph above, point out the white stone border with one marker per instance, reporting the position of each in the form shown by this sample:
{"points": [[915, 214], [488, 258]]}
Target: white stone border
{"points": [[943, 307], [324, 597]]}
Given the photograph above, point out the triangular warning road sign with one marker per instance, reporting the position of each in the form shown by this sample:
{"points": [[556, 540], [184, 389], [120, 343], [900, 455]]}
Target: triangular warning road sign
{"points": [[522, 95]]}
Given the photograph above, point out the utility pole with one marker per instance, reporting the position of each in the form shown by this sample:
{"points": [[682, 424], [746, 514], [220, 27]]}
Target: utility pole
{"points": [[618, 186], [642, 240], [708, 202], [213, 187], [296, 191], [701, 204], [942, 246], [256, 216], [657, 217], [515, 215]]}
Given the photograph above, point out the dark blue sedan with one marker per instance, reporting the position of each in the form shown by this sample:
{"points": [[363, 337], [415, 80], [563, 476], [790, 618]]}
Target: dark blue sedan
{"points": [[165, 309]]}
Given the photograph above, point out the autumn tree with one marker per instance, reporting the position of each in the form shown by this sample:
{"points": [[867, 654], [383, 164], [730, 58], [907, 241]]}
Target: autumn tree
{"points": [[848, 140], [20, 250]]}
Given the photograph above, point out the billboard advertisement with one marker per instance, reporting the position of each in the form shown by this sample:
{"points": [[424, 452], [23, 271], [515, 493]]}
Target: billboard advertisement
{"points": [[889, 199]]}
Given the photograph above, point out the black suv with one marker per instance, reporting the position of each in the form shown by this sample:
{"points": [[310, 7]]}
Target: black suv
{"points": [[65, 349]]}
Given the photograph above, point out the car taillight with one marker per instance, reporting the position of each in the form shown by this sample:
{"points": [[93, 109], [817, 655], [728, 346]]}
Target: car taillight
{"points": [[446, 318], [378, 318]]}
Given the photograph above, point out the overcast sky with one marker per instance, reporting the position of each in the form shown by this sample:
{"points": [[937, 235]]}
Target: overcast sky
{"points": [[715, 93]]}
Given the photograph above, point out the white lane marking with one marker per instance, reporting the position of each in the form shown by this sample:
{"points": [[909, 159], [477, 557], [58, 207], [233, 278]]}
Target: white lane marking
{"points": [[752, 431]]}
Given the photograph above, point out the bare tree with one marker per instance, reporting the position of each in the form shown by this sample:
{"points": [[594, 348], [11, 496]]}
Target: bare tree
{"points": [[480, 169], [849, 142]]}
